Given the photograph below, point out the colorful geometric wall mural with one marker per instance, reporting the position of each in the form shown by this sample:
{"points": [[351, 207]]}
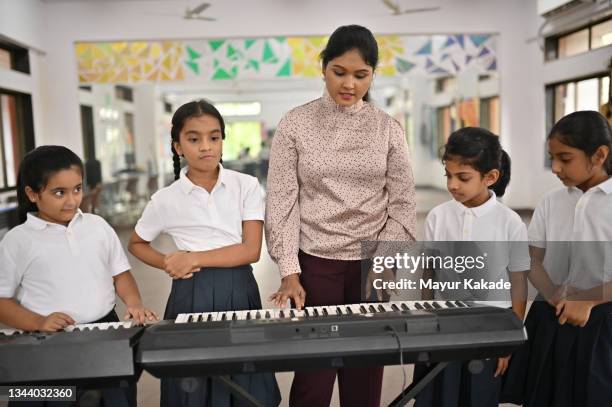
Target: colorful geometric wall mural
{"points": [[275, 57]]}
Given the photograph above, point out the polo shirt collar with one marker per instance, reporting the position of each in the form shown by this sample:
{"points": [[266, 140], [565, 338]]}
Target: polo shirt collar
{"points": [[187, 186], [478, 211], [36, 223]]}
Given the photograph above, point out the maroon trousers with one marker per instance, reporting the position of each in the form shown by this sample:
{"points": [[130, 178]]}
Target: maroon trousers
{"points": [[333, 282]]}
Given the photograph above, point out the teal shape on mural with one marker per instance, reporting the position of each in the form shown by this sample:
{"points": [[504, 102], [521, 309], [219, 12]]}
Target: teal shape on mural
{"points": [[215, 63], [249, 43], [281, 40], [268, 55], [193, 66], [285, 70], [232, 53], [403, 66], [216, 44], [221, 74], [253, 63], [193, 54], [479, 39], [425, 49]]}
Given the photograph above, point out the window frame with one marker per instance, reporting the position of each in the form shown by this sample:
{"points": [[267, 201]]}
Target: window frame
{"points": [[551, 43]]}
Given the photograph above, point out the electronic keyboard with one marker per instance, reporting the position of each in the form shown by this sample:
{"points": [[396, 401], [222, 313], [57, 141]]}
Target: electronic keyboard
{"points": [[219, 343], [88, 355]]}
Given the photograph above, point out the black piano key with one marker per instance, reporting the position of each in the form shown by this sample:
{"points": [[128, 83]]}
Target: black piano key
{"points": [[405, 307], [248, 315], [224, 317], [325, 313], [381, 308], [258, 315], [394, 307], [450, 304], [306, 313], [338, 311], [372, 309], [363, 309], [282, 314], [268, 316], [418, 305], [292, 314], [234, 317], [427, 305], [316, 312], [192, 318], [349, 311], [436, 305], [461, 303], [209, 318]]}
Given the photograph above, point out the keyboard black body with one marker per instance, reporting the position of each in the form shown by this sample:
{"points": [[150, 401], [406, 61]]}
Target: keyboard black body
{"points": [[169, 349], [88, 359]]}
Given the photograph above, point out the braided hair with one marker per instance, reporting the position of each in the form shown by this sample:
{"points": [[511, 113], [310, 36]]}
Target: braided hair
{"points": [[188, 110]]}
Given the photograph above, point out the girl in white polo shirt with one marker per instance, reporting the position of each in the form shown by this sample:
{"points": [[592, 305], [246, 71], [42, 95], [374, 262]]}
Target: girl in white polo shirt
{"points": [[215, 217], [477, 172], [61, 266], [570, 236]]}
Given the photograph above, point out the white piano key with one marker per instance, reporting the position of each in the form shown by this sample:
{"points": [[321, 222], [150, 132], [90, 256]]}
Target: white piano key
{"points": [[241, 315], [181, 318], [320, 311], [331, 310], [10, 331], [299, 313], [216, 316], [355, 309], [442, 304], [281, 313], [269, 312], [103, 326], [387, 307]]}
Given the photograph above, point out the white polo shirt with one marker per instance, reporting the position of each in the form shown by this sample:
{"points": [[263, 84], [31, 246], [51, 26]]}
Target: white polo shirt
{"points": [[199, 221], [49, 267], [569, 215], [490, 222]]}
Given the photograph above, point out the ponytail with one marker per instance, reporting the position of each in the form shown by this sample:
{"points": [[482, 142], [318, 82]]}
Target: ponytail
{"points": [[504, 175]]}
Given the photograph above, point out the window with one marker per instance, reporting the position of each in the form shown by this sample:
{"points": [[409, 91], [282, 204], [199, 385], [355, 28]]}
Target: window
{"points": [[445, 84], [16, 134], [601, 34], [5, 59], [124, 93], [587, 38], [579, 94], [584, 94], [14, 57], [572, 44], [489, 114]]}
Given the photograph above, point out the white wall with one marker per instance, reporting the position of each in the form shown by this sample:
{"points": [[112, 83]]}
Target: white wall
{"points": [[521, 68]]}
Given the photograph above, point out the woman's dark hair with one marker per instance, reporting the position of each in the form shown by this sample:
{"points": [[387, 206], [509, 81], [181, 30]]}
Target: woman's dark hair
{"points": [[585, 130], [188, 110], [480, 149], [35, 170], [349, 37]]}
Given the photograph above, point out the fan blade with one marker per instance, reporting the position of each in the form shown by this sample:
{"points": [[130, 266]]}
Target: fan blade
{"points": [[419, 10], [392, 5], [201, 18], [199, 9]]}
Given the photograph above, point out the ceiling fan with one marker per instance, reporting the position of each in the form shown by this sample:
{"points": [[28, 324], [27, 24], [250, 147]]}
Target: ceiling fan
{"points": [[394, 6], [192, 13]]}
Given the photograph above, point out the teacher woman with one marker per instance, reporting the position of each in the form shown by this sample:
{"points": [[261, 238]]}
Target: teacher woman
{"points": [[339, 175]]}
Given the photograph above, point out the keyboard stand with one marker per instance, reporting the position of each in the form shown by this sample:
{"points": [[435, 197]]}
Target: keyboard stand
{"points": [[239, 391], [415, 388]]}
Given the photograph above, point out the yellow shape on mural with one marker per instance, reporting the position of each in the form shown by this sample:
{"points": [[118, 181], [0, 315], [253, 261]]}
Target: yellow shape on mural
{"points": [[389, 48], [305, 53], [136, 48], [119, 47]]}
